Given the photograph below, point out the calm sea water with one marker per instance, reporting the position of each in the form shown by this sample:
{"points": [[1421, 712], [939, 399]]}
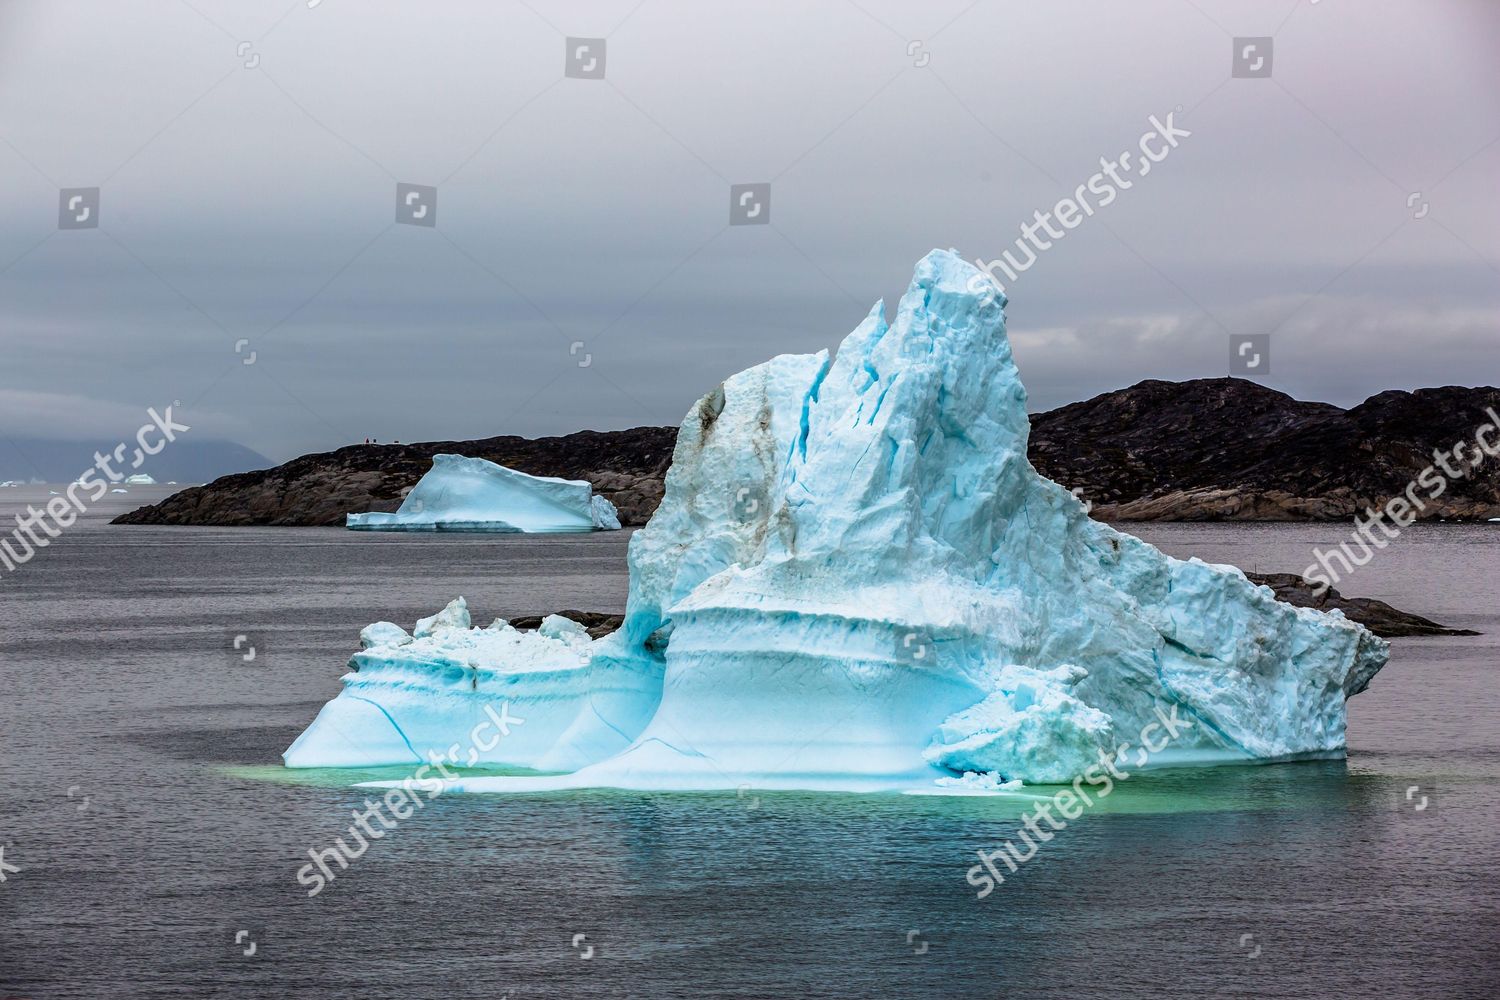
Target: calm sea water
{"points": [[151, 828]]}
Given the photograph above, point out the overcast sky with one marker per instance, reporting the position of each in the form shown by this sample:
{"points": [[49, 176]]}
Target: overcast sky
{"points": [[248, 151]]}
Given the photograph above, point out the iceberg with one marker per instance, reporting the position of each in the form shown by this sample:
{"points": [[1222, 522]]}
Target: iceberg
{"points": [[857, 582], [139, 479], [471, 494]]}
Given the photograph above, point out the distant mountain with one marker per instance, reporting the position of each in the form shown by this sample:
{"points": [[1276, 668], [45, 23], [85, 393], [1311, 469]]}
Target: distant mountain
{"points": [[1206, 450], [183, 461]]}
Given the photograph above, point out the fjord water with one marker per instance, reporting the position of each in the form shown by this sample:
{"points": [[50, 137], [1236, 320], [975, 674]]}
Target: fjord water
{"points": [[151, 827]]}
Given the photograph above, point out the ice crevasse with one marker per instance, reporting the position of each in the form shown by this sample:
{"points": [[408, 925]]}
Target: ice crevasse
{"points": [[473, 494], [856, 581]]}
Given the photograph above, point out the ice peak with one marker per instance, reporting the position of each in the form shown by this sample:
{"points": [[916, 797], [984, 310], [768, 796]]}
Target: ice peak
{"points": [[930, 407]]}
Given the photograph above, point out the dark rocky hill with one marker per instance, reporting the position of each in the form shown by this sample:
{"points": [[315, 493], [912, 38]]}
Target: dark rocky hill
{"points": [[1229, 449], [1208, 449]]}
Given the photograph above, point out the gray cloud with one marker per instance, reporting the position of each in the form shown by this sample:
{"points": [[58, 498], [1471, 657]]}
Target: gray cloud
{"points": [[57, 416], [258, 203]]}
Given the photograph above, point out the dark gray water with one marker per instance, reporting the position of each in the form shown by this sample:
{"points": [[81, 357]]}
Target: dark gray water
{"points": [[119, 685]]}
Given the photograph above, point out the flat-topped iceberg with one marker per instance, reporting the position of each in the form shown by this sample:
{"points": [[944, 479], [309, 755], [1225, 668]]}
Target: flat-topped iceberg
{"points": [[857, 581], [472, 494]]}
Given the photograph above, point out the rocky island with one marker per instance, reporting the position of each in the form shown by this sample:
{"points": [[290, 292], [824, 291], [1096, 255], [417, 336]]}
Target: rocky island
{"points": [[625, 467], [1220, 449]]}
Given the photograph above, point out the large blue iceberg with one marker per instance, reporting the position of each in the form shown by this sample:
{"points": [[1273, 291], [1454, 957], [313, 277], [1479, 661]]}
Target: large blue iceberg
{"points": [[472, 494], [856, 581]]}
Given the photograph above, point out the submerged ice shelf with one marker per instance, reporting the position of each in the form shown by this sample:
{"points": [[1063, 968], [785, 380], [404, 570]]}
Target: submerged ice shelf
{"points": [[857, 581], [472, 494]]}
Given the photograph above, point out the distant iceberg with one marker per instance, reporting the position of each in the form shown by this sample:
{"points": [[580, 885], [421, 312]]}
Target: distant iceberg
{"points": [[471, 494], [856, 581], [139, 479]]}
